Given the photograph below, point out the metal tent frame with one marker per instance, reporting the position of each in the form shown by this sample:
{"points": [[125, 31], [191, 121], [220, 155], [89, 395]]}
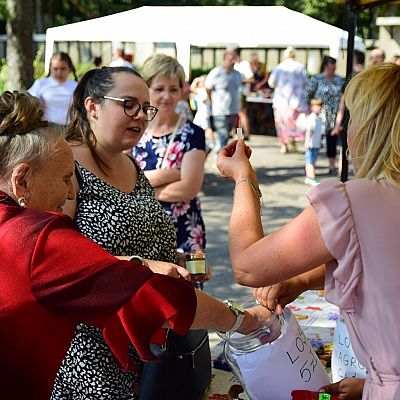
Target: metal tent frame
{"points": [[353, 6]]}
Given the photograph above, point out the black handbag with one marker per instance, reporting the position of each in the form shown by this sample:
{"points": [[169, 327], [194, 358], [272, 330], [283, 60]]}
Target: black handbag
{"points": [[184, 369]]}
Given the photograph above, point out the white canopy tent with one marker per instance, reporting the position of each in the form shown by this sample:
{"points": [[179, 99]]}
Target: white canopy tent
{"points": [[208, 26]]}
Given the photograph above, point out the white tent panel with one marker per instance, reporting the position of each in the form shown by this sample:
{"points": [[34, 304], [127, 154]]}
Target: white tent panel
{"points": [[264, 26]]}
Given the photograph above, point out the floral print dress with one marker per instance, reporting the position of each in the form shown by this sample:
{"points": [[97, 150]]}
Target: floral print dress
{"points": [[185, 215], [330, 92]]}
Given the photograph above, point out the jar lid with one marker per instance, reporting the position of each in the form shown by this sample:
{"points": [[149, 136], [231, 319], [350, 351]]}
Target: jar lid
{"points": [[196, 256]]}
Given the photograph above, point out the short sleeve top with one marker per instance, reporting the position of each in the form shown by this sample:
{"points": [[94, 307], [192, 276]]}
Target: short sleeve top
{"points": [[186, 214], [224, 86], [359, 223], [55, 97]]}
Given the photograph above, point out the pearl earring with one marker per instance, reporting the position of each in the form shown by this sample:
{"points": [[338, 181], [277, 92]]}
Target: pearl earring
{"points": [[21, 201]]}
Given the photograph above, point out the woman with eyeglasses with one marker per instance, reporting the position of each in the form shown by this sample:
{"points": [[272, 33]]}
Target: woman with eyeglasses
{"points": [[116, 208], [172, 152]]}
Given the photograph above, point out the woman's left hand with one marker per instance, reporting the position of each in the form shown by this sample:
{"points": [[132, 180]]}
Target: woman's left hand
{"points": [[233, 161], [337, 130]]}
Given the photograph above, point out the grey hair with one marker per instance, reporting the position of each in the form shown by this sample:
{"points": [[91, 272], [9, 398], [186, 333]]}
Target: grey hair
{"points": [[35, 148]]}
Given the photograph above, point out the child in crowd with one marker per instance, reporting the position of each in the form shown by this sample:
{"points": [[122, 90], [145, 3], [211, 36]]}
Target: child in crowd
{"points": [[202, 117], [56, 89], [312, 141]]}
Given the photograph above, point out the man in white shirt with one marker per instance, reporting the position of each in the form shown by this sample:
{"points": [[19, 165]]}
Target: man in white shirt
{"points": [[222, 85], [119, 59]]}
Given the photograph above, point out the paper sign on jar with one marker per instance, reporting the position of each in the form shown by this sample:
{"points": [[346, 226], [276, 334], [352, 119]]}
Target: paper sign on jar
{"points": [[288, 363], [344, 362]]}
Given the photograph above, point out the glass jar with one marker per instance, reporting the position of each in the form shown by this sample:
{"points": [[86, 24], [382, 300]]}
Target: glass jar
{"points": [[259, 359], [196, 263], [237, 344]]}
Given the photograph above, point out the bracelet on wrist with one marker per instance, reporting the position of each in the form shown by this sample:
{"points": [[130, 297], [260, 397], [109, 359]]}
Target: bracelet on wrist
{"points": [[254, 186]]}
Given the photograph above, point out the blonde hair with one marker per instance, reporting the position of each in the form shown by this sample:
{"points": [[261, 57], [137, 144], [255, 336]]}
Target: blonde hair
{"points": [[290, 52], [24, 136], [162, 65], [316, 102], [373, 99]]}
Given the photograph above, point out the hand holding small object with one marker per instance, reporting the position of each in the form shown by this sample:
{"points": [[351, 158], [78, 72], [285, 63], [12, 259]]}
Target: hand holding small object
{"points": [[233, 161], [276, 297], [169, 269]]}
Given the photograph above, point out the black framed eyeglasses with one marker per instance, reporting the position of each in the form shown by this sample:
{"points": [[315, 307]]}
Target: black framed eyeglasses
{"points": [[132, 108]]}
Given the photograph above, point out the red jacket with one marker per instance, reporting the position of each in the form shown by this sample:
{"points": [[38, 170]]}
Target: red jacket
{"points": [[51, 278]]}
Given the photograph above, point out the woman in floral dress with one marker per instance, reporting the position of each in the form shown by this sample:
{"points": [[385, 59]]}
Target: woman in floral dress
{"points": [[172, 153], [328, 87]]}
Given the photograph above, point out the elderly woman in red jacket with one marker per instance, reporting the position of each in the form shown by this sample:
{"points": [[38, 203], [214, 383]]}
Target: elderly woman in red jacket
{"points": [[52, 277]]}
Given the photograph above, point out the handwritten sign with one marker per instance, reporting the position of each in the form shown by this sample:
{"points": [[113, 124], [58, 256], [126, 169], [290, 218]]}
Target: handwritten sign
{"points": [[288, 363], [301, 345], [344, 361]]}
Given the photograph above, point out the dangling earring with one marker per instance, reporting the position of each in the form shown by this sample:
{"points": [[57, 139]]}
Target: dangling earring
{"points": [[21, 201]]}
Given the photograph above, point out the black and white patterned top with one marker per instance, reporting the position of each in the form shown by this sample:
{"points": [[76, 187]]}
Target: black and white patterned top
{"points": [[123, 224], [330, 92]]}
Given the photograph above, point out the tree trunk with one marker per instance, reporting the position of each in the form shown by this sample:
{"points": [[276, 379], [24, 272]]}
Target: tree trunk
{"points": [[19, 44]]}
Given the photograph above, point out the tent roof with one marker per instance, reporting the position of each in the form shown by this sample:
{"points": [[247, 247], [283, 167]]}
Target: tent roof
{"points": [[264, 26]]}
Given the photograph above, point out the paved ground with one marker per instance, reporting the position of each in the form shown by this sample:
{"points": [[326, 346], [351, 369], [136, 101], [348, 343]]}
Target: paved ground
{"points": [[281, 178]]}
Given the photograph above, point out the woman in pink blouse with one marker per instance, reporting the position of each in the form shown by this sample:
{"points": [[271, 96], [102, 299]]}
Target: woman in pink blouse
{"points": [[352, 228]]}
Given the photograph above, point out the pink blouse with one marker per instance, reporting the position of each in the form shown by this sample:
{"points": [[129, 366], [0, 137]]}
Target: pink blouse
{"points": [[360, 225]]}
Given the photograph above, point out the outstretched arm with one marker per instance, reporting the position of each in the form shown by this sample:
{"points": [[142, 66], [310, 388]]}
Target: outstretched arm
{"points": [[259, 260], [222, 318]]}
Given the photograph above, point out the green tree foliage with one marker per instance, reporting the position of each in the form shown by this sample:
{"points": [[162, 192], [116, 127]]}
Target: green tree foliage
{"points": [[68, 11], [3, 9]]}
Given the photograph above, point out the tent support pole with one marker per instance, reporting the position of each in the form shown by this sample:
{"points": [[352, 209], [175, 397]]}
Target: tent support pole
{"points": [[352, 20]]}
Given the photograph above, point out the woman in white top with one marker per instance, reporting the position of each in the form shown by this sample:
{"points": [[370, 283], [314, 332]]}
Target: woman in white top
{"points": [[55, 91]]}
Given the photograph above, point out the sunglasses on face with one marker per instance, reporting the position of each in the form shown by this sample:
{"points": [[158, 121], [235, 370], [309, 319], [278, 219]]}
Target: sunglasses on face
{"points": [[132, 108]]}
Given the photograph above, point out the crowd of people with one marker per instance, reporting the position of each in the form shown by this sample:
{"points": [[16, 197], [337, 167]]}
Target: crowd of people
{"points": [[99, 207]]}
